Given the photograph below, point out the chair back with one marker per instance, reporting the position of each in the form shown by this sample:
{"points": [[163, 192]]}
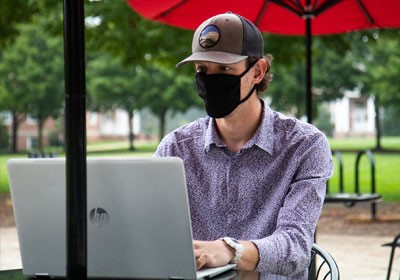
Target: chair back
{"points": [[394, 244], [322, 265]]}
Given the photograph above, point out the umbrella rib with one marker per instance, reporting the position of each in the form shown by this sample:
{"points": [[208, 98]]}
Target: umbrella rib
{"points": [[261, 13], [171, 9], [286, 6], [365, 11], [325, 6], [297, 4]]}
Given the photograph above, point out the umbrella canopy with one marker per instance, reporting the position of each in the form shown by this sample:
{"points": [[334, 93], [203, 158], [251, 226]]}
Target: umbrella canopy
{"points": [[285, 17]]}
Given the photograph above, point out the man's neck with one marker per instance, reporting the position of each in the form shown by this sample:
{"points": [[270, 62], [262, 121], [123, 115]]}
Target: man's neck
{"points": [[236, 130]]}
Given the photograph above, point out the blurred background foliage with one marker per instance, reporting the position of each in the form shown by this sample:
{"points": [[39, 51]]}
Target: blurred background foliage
{"points": [[131, 66]]}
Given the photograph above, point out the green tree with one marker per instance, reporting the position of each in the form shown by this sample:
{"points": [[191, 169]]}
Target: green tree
{"points": [[382, 68], [119, 30], [377, 54], [12, 13], [15, 12], [323, 122], [31, 73], [4, 137], [12, 98], [165, 90], [333, 72], [112, 85], [390, 121]]}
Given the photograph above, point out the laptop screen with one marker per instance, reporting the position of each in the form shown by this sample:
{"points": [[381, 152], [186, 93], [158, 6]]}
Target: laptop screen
{"points": [[137, 211]]}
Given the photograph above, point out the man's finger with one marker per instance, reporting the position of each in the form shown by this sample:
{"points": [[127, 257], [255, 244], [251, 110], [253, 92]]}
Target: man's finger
{"points": [[201, 260]]}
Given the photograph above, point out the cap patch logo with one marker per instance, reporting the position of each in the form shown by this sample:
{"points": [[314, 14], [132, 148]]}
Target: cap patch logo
{"points": [[209, 37]]}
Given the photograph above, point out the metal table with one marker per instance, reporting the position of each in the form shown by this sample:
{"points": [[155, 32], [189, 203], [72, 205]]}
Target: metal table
{"points": [[16, 274], [350, 199]]}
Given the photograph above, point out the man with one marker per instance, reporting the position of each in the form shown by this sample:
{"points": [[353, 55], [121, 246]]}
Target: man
{"points": [[253, 175]]}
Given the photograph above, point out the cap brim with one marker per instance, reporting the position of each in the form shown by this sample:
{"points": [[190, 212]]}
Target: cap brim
{"points": [[216, 57]]}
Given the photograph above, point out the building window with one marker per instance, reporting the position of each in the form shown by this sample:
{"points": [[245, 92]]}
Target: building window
{"points": [[31, 120], [359, 115], [5, 117], [31, 143], [93, 118]]}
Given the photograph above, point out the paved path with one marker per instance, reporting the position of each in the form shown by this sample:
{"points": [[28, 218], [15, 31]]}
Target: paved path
{"points": [[9, 249], [358, 257]]}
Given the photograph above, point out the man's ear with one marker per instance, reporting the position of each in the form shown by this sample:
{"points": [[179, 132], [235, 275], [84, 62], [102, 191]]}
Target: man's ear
{"points": [[260, 68]]}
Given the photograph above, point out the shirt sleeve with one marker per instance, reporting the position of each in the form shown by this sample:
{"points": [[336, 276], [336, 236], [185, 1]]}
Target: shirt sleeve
{"points": [[165, 147], [287, 250]]}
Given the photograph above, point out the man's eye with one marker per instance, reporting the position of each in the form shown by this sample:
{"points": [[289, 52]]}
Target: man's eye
{"points": [[224, 68], [201, 69]]}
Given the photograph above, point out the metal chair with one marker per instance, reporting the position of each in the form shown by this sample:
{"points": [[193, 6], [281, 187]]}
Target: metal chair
{"points": [[322, 265], [394, 244]]}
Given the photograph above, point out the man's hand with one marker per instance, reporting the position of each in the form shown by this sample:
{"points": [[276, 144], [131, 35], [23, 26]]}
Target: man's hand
{"points": [[212, 253], [217, 253]]}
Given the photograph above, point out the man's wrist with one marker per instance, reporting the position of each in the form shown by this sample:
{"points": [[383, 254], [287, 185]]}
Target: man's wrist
{"points": [[236, 246]]}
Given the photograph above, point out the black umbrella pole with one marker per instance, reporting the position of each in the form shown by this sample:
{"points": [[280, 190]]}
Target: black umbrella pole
{"points": [[308, 71], [75, 130]]}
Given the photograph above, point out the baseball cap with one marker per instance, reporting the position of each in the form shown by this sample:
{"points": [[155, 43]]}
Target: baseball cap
{"points": [[225, 38]]}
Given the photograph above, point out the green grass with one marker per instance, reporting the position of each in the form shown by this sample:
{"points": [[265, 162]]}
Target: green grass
{"points": [[99, 149], [386, 165], [364, 143], [3, 171], [387, 177]]}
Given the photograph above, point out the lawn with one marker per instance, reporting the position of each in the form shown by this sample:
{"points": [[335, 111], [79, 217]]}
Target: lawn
{"points": [[387, 177], [364, 143], [386, 165], [103, 149]]}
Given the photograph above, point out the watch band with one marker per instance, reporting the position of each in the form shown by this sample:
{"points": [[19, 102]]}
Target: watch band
{"points": [[233, 243]]}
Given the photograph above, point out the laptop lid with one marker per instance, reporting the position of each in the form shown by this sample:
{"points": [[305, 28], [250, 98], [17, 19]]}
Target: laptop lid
{"points": [[138, 217]]}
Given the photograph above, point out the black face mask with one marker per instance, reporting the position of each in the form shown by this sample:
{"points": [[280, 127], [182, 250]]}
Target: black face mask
{"points": [[221, 92]]}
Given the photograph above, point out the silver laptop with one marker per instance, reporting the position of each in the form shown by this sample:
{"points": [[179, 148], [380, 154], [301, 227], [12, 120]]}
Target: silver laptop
{"points": [[138, 218]]}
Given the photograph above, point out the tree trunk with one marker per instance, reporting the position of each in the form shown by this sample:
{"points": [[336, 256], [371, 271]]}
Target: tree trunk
{"points": [[131, 136], [377, 124], [40, 134], [16, 119], [161, 129]]}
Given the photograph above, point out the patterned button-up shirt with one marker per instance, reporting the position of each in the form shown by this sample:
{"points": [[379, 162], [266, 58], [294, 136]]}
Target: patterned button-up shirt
{"points": [[271, 192]]}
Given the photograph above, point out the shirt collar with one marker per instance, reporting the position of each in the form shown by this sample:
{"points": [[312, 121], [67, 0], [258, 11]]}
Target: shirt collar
{"points": [[263, 137], [212, 136]]}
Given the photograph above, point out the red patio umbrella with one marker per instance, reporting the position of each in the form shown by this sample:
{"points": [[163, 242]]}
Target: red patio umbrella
{"points": [[285, 17]]}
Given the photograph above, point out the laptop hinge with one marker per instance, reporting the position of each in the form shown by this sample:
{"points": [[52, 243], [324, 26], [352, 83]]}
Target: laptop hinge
{"points": [[176, 278], [42, 276]]}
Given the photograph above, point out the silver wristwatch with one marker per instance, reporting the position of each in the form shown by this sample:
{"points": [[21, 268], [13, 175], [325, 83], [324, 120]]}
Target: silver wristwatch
{"points": [[233, 243]]}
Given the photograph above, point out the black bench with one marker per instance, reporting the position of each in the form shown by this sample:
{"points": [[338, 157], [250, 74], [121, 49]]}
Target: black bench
{"points": [[349, 199]]}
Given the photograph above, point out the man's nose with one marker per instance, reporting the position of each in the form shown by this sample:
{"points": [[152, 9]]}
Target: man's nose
{"points": [[211, 70]]}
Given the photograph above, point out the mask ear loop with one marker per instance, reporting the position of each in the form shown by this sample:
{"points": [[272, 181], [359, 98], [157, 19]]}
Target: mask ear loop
{"points": [[248, 95], [248, 69], [253, 88]]}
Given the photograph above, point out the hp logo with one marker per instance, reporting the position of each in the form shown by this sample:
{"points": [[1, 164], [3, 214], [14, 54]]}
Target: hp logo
{"points": [[98, 216]]}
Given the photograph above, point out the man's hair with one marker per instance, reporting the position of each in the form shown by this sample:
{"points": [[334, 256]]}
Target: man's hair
{"points": [[263, 85]]}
